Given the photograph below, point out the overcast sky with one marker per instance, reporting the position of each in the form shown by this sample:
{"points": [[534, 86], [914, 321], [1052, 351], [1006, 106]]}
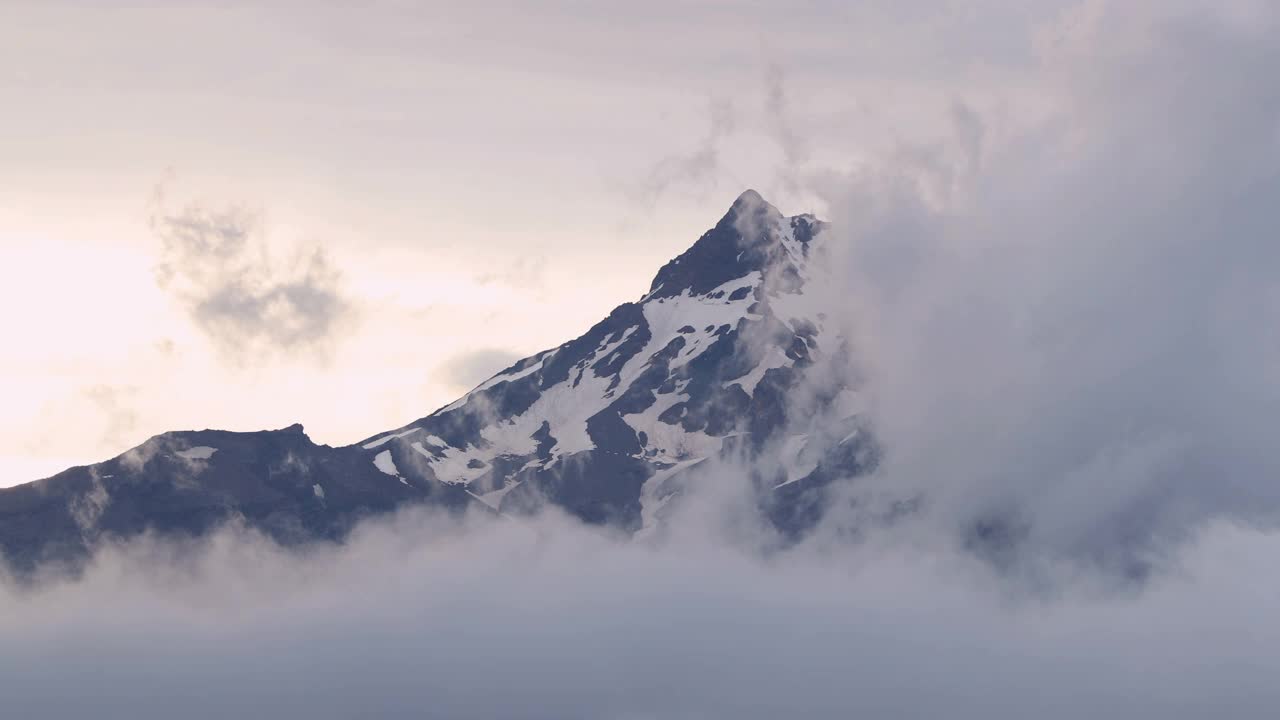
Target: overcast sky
{"points": [[417, 193]]}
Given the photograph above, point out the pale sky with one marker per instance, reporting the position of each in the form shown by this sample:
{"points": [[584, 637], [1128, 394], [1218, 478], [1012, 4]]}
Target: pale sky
{"points": [[481, 181]]}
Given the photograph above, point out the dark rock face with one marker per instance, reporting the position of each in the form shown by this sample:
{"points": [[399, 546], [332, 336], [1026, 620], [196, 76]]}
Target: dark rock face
{"points": [[187, 483], [606, 426]]}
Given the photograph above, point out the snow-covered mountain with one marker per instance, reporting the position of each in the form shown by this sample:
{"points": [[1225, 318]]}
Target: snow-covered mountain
{"points": [[718, 360], [701, 365]]}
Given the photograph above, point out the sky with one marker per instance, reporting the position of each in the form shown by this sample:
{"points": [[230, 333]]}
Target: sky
{"points": [[417, 193]]}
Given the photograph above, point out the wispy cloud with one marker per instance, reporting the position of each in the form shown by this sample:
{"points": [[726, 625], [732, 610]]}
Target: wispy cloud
{"points": [[698, 169], [471, 368], [250, 299], [116, 405]]}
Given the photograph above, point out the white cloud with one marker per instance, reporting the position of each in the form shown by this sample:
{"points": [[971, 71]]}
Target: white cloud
{"points": [[511, 619], [1071, 343]]}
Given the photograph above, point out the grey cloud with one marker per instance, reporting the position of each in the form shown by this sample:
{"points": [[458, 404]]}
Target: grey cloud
{"points": [[1074, 352], [471, 368], [246, 299], [426, 617], [698, 169], [704, 168], [777, 117]]}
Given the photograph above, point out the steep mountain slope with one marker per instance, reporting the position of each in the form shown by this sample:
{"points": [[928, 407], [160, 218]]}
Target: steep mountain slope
{"points": [[705, 364], [716, 361]]}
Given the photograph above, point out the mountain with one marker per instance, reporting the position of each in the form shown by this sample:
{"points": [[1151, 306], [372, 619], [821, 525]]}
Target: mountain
{"points": [[723, 358]]}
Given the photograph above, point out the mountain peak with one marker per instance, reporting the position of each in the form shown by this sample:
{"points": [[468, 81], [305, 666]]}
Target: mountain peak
{"points": [[752, 208], [748, 197], [748, 238], [608, 426]]}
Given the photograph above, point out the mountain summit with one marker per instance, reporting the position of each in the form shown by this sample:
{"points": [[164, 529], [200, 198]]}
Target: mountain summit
{"points": [[609, 426], [752, 237]]}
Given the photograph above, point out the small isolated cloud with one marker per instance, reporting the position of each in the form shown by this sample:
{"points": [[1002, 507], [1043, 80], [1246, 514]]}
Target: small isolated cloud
{"points": [[249, 300], [471, 368]]}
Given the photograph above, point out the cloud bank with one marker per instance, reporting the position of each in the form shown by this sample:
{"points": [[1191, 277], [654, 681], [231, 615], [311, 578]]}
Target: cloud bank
{"points": [[421, 617], [1066, 332]]}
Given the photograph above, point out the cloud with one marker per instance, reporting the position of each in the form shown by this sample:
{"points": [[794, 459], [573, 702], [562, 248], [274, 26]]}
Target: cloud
{"points": [[778, 122], [76, 421], [116, 405], [698, 169], [471, 368], [250, 301], [423, 615], [1065, 332], [86, 509]]}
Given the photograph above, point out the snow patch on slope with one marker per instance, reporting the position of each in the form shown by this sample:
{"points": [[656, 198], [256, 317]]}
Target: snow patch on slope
{"points": [[773, 358], [452, 465], [387, 465], [568, 405]]}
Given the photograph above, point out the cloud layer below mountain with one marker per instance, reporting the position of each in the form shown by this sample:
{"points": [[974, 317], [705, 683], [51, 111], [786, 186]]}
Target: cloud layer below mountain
{"points": [[422, 617]]}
